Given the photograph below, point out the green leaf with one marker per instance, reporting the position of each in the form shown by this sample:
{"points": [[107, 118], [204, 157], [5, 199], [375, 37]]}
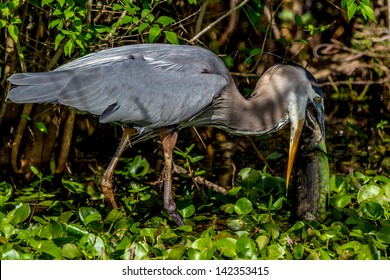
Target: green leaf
{"points": [[73, 186], [58, 40], [4, 9], [117, 7], [15, 20], [340, 200], [368, 192], [141, 250], [69, 13], [41, 126], [249, 177], [277, 205], [236, 224], [13, 30], [138, 167], [5, 192], [3, 23], [298, 251], [171, 37], [114, 215], [187, 211], [126, 19], [274, 229], [298, 20], [234, 191], [36, 171], [71, 251], [69, 47], [93, 245], [274, 156], [226, 246], [154, 32], [165, 21], [243, 206], [351, 10], [323, 254], [76, 230], [176, 252], [367, 11], [373, 210], [383, 235], [262, 241], [246, 248], [10, 254], [20, 213], [51, 230], [143, 26], [58, 23], [297, 226], [46, 2], [89, 214]]}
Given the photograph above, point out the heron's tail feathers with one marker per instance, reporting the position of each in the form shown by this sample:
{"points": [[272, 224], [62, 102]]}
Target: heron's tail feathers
{"points": [[41, 87]]}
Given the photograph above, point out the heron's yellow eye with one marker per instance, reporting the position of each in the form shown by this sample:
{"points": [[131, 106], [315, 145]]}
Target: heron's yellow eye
{"points": [[318, 100]]}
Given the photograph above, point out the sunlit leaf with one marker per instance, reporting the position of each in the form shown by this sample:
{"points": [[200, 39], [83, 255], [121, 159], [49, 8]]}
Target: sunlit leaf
{"points": [[73, 186], [154, 32], [138, 167], [227, 246], [71, 251], [5, 192], [187, 211], [340, 200], [243, 206], [246, 248], [368, 192], [165, 20], [41, 126], [262, 241], [20, 213]]}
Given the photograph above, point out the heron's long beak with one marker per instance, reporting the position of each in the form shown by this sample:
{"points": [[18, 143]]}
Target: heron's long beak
{"points": [[296, 131]]}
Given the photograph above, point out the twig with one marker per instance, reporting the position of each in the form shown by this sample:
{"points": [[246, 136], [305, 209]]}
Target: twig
{"points": [[232, 23], [200, 138], [354, 182], [260, 155], [200, 180], [199, 21], [66, 141], [211, 25]]}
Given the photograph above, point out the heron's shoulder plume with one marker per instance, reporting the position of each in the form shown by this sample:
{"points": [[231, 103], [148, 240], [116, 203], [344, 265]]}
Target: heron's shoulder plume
{"points": [[179, 58]]}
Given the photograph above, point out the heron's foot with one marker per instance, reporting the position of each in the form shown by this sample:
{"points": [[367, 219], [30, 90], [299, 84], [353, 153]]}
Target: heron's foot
{"points": [[108, 191]]}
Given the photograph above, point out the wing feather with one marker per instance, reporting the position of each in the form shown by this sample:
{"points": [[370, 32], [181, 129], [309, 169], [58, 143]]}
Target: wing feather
{"points": [[148, 86]]}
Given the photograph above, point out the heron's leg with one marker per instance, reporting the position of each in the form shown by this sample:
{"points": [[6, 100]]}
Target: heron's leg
{"points": [[106, 183], [168, 137]]}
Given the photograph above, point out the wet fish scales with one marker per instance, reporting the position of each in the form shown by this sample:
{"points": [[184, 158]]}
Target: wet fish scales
{"points": [[311, 174]]}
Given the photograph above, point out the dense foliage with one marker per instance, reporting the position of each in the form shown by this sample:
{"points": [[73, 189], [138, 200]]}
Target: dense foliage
{"points": [[52, 159], [249, 223]]}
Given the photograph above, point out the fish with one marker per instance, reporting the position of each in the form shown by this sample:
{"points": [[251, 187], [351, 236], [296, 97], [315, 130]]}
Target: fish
{"points": [[311, 173]]}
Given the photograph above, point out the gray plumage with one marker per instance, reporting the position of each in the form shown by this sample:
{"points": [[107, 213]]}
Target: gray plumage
{"points": [[157, 87], [148, 86]]}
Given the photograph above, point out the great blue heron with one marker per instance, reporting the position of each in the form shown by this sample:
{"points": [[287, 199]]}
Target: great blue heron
{"points": [[159, 87]]}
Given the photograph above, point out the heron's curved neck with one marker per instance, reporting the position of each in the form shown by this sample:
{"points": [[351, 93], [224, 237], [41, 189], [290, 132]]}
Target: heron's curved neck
{"points": [[257, 115]]}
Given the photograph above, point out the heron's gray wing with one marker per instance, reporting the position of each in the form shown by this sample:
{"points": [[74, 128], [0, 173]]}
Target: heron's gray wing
{"points": [[139, 89], [183, 58]]}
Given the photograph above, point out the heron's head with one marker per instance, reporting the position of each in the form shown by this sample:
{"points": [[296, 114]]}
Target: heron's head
{"points": [[304, 94]]}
